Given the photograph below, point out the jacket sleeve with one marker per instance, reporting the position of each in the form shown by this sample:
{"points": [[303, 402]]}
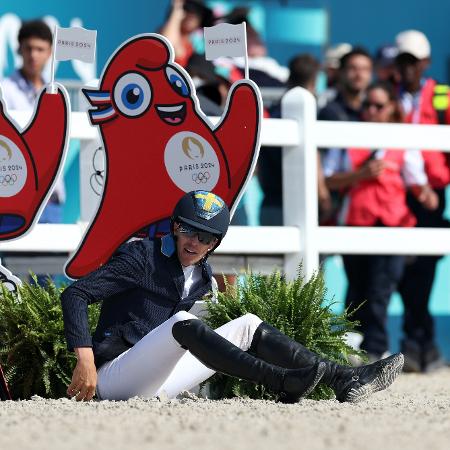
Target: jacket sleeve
{"points": [[124, 271]]}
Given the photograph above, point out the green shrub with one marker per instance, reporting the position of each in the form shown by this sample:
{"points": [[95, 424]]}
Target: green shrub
{"points": [[35, 358], [33, 349], [299, 309]]}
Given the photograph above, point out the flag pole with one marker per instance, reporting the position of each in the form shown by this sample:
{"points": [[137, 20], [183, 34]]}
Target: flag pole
{"points": [[247, 76], [52, 87]]}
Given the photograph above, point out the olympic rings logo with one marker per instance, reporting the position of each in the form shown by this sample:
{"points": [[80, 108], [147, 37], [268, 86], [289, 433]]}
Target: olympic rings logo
{"points": [[201, 177], [8, 180]]}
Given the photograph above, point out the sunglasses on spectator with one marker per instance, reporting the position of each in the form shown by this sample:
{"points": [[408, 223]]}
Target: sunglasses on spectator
{"points": [[377, 106], [203, 236]]}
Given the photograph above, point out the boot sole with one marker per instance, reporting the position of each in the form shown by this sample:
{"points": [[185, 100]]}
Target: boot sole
{"points": [[321, 368], [388, 373]]}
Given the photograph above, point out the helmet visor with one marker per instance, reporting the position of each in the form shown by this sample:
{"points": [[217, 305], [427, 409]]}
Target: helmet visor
{"points": [[204, 237]]}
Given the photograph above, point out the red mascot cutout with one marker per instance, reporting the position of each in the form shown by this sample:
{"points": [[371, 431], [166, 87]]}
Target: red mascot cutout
{"points": [[159, 145], [30, 161]]}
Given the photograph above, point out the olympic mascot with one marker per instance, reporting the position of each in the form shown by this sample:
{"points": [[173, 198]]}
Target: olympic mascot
{"points": [[159, 145]]}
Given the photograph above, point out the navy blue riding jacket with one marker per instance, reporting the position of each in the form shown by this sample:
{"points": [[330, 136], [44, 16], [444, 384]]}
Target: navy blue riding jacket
{"points": [[140, 287]]}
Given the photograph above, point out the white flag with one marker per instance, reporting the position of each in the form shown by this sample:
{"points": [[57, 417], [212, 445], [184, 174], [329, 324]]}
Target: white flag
{"points": [[75, 43], [225, 40]]}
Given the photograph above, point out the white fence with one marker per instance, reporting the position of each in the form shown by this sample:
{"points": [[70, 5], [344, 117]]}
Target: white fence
{"points": [[301, 239], [300, 184]]}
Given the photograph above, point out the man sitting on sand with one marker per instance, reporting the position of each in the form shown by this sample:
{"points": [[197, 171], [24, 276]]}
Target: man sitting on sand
{"points": [[147, 343]]}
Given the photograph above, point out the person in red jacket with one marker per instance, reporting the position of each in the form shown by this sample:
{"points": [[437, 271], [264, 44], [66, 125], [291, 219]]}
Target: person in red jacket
{"points": [[423, 101], [375, 182]]}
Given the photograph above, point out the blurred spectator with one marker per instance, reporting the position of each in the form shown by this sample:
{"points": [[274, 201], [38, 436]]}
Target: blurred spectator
{"points": [[21, 89], [332, 61], [355, 74], [207, 84], [375, 195], [423, 101], [184, 18], [331, 67], [303, 72], [385, 67]]}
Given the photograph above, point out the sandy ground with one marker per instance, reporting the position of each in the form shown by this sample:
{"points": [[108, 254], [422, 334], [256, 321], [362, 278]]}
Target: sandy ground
{"points": [[413, 414]]}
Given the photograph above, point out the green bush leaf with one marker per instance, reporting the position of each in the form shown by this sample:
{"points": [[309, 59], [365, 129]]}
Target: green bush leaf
{"points": [[298, 308], [33, 350]]}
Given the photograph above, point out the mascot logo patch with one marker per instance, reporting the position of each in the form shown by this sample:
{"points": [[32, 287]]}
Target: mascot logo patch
{"points": [[13, 168], [153, 129], [190, 159], [207, 205]]}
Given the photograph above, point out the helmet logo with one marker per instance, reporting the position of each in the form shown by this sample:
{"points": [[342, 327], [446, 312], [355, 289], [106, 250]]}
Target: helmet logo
{"points": [[13, 168], [207, 204]]}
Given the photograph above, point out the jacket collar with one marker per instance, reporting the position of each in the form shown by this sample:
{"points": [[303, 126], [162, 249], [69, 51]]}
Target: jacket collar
{"points": [[169, 256], [168, 245]]}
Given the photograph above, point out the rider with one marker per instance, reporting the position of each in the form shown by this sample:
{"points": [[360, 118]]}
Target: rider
{"points": [[146, 341]]}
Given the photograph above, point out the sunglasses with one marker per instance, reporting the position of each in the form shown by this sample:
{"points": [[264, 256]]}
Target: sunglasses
{"points": [[204, 237], [377, 106]]}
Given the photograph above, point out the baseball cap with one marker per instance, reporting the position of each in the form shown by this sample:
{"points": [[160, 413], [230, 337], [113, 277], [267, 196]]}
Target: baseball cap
{"points": [[386, 55], [414, 43], [334, 54]]}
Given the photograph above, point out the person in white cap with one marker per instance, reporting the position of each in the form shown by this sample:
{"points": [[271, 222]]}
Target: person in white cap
{"points": [[423, 101], [331, 66]]}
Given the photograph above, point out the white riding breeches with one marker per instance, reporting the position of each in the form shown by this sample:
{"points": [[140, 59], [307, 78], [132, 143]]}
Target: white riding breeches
{"points": [[157, 363]]}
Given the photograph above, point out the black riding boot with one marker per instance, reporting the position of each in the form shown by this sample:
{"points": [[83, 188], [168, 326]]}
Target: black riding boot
{"points": [[218, 354], [349, 384]]}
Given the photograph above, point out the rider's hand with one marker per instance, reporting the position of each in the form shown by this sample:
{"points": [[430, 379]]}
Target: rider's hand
{"points": [[84, 377]]}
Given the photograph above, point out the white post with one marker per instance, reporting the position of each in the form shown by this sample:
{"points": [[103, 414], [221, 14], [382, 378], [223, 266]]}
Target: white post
{"points": [[246, 72], [299, 173], [52, 88]]}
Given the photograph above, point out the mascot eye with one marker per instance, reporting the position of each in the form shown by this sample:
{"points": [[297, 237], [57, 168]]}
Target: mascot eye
{"points": [[177, 81], [132, 94]]}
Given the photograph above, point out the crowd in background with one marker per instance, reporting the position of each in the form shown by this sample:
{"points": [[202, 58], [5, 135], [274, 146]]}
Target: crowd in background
{"points": [[356, 187]]}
